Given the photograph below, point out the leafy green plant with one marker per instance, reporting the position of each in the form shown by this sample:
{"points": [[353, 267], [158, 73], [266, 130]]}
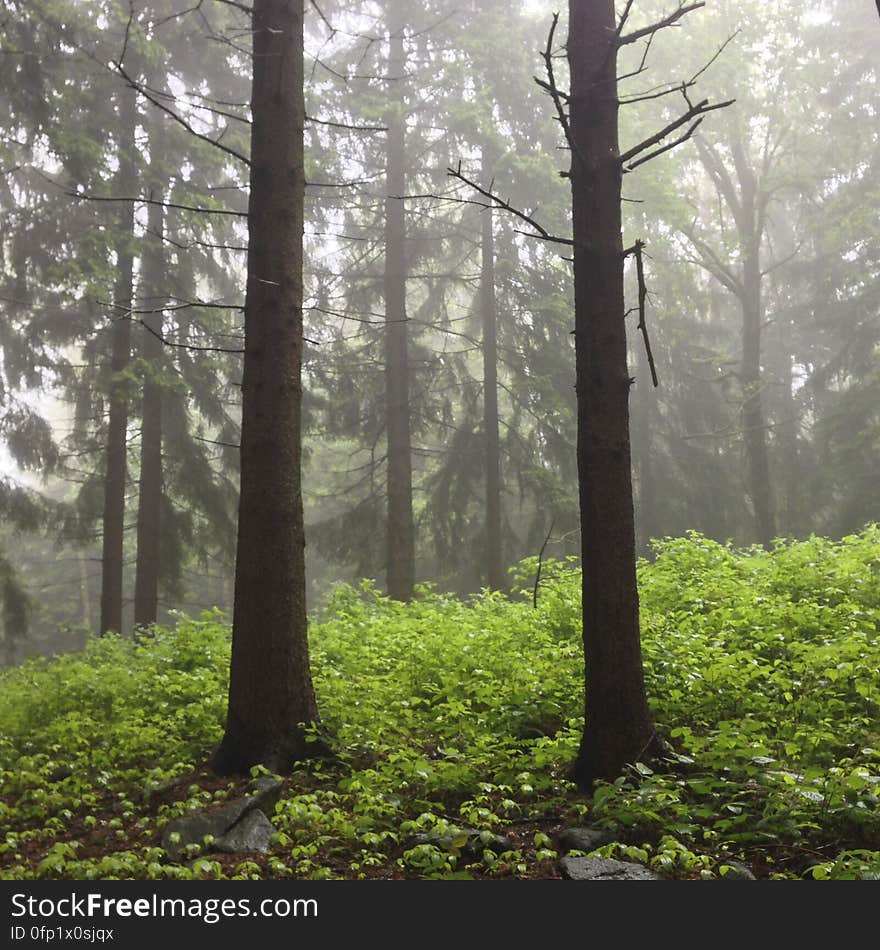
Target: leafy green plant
{"points": [[761, 668]]}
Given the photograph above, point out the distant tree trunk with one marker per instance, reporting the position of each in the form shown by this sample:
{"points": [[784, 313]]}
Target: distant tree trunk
{"points": [[787, 432], [747, 203], [754, 424], [618, 728], [489, 314], [113, 520], [270, 690], [146, 588], [400, 530], [85, 593]]}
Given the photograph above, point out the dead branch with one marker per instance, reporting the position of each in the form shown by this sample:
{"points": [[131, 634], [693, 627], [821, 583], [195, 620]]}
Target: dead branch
{"points": [[540, 232], [694, 112], [636, 250], [668, 21], [154, 99], [555, 93], [541, 564], [345, 125], [84, 196]]}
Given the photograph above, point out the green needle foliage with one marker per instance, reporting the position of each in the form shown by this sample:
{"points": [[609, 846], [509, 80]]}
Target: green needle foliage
{"points": [[457, 721]]}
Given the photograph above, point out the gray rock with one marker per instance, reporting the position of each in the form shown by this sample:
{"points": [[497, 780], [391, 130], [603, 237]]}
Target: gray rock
{"points": [[736, 871], [584, 839], [240, 825], [264, 793], [192, 829], [252, 832], [605, 869]]}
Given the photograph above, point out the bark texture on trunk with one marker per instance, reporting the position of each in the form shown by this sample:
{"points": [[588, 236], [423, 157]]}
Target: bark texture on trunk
{"points": [[146, 585], [400, 527], [618, 728], [270, 692], [115, 471], [489, 315]]}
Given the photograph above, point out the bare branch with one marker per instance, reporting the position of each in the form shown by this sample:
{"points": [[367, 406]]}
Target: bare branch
{"points": [[700, 109], [83, 196], [637, 249], [555, 94], [540, 565], [171, 343], [344, 125], [624, 16], [668, 21], [540, 232], [150, 97], [665, 148]]}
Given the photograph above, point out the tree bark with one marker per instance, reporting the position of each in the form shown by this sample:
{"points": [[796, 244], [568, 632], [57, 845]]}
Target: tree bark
{"points": [[489, 315], [271, 698], [115, 472], [146, 588], [400, 529], [618, 728]]}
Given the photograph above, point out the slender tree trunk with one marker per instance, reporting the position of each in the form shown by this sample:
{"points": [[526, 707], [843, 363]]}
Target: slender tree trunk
{"points": [[751, 378], [618, 728], [146, 589], [788, 436], [400, 530], [113, 520], [270, 691], [489, 314], [85, 595]]}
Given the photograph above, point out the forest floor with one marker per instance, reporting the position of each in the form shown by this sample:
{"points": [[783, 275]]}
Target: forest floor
{"points": [[451, 718]]}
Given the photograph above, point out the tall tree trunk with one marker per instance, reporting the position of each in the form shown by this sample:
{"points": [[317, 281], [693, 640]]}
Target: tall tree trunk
{"points": [[270, 691], [85, 595], [754, 424], [618, 728], [400, 529], [747, 203], [790, 514], [146, 588], [113, 520], [489, 315]]}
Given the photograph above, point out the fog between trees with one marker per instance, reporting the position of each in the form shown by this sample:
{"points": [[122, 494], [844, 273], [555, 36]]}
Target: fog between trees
{"points": [[439, 411]]}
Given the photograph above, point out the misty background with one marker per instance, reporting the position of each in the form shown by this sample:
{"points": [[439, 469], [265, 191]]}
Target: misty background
{"points": [[121, 159]]}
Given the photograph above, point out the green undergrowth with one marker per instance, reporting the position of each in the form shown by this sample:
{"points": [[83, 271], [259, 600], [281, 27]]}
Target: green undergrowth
{"points": [[448, 715]]}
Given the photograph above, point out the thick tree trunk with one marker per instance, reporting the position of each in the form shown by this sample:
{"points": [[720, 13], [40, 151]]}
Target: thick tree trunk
{"points": [[489, 315], [270, 691], [618, 727], [146, 588], [113, 520], [400, 529]]}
